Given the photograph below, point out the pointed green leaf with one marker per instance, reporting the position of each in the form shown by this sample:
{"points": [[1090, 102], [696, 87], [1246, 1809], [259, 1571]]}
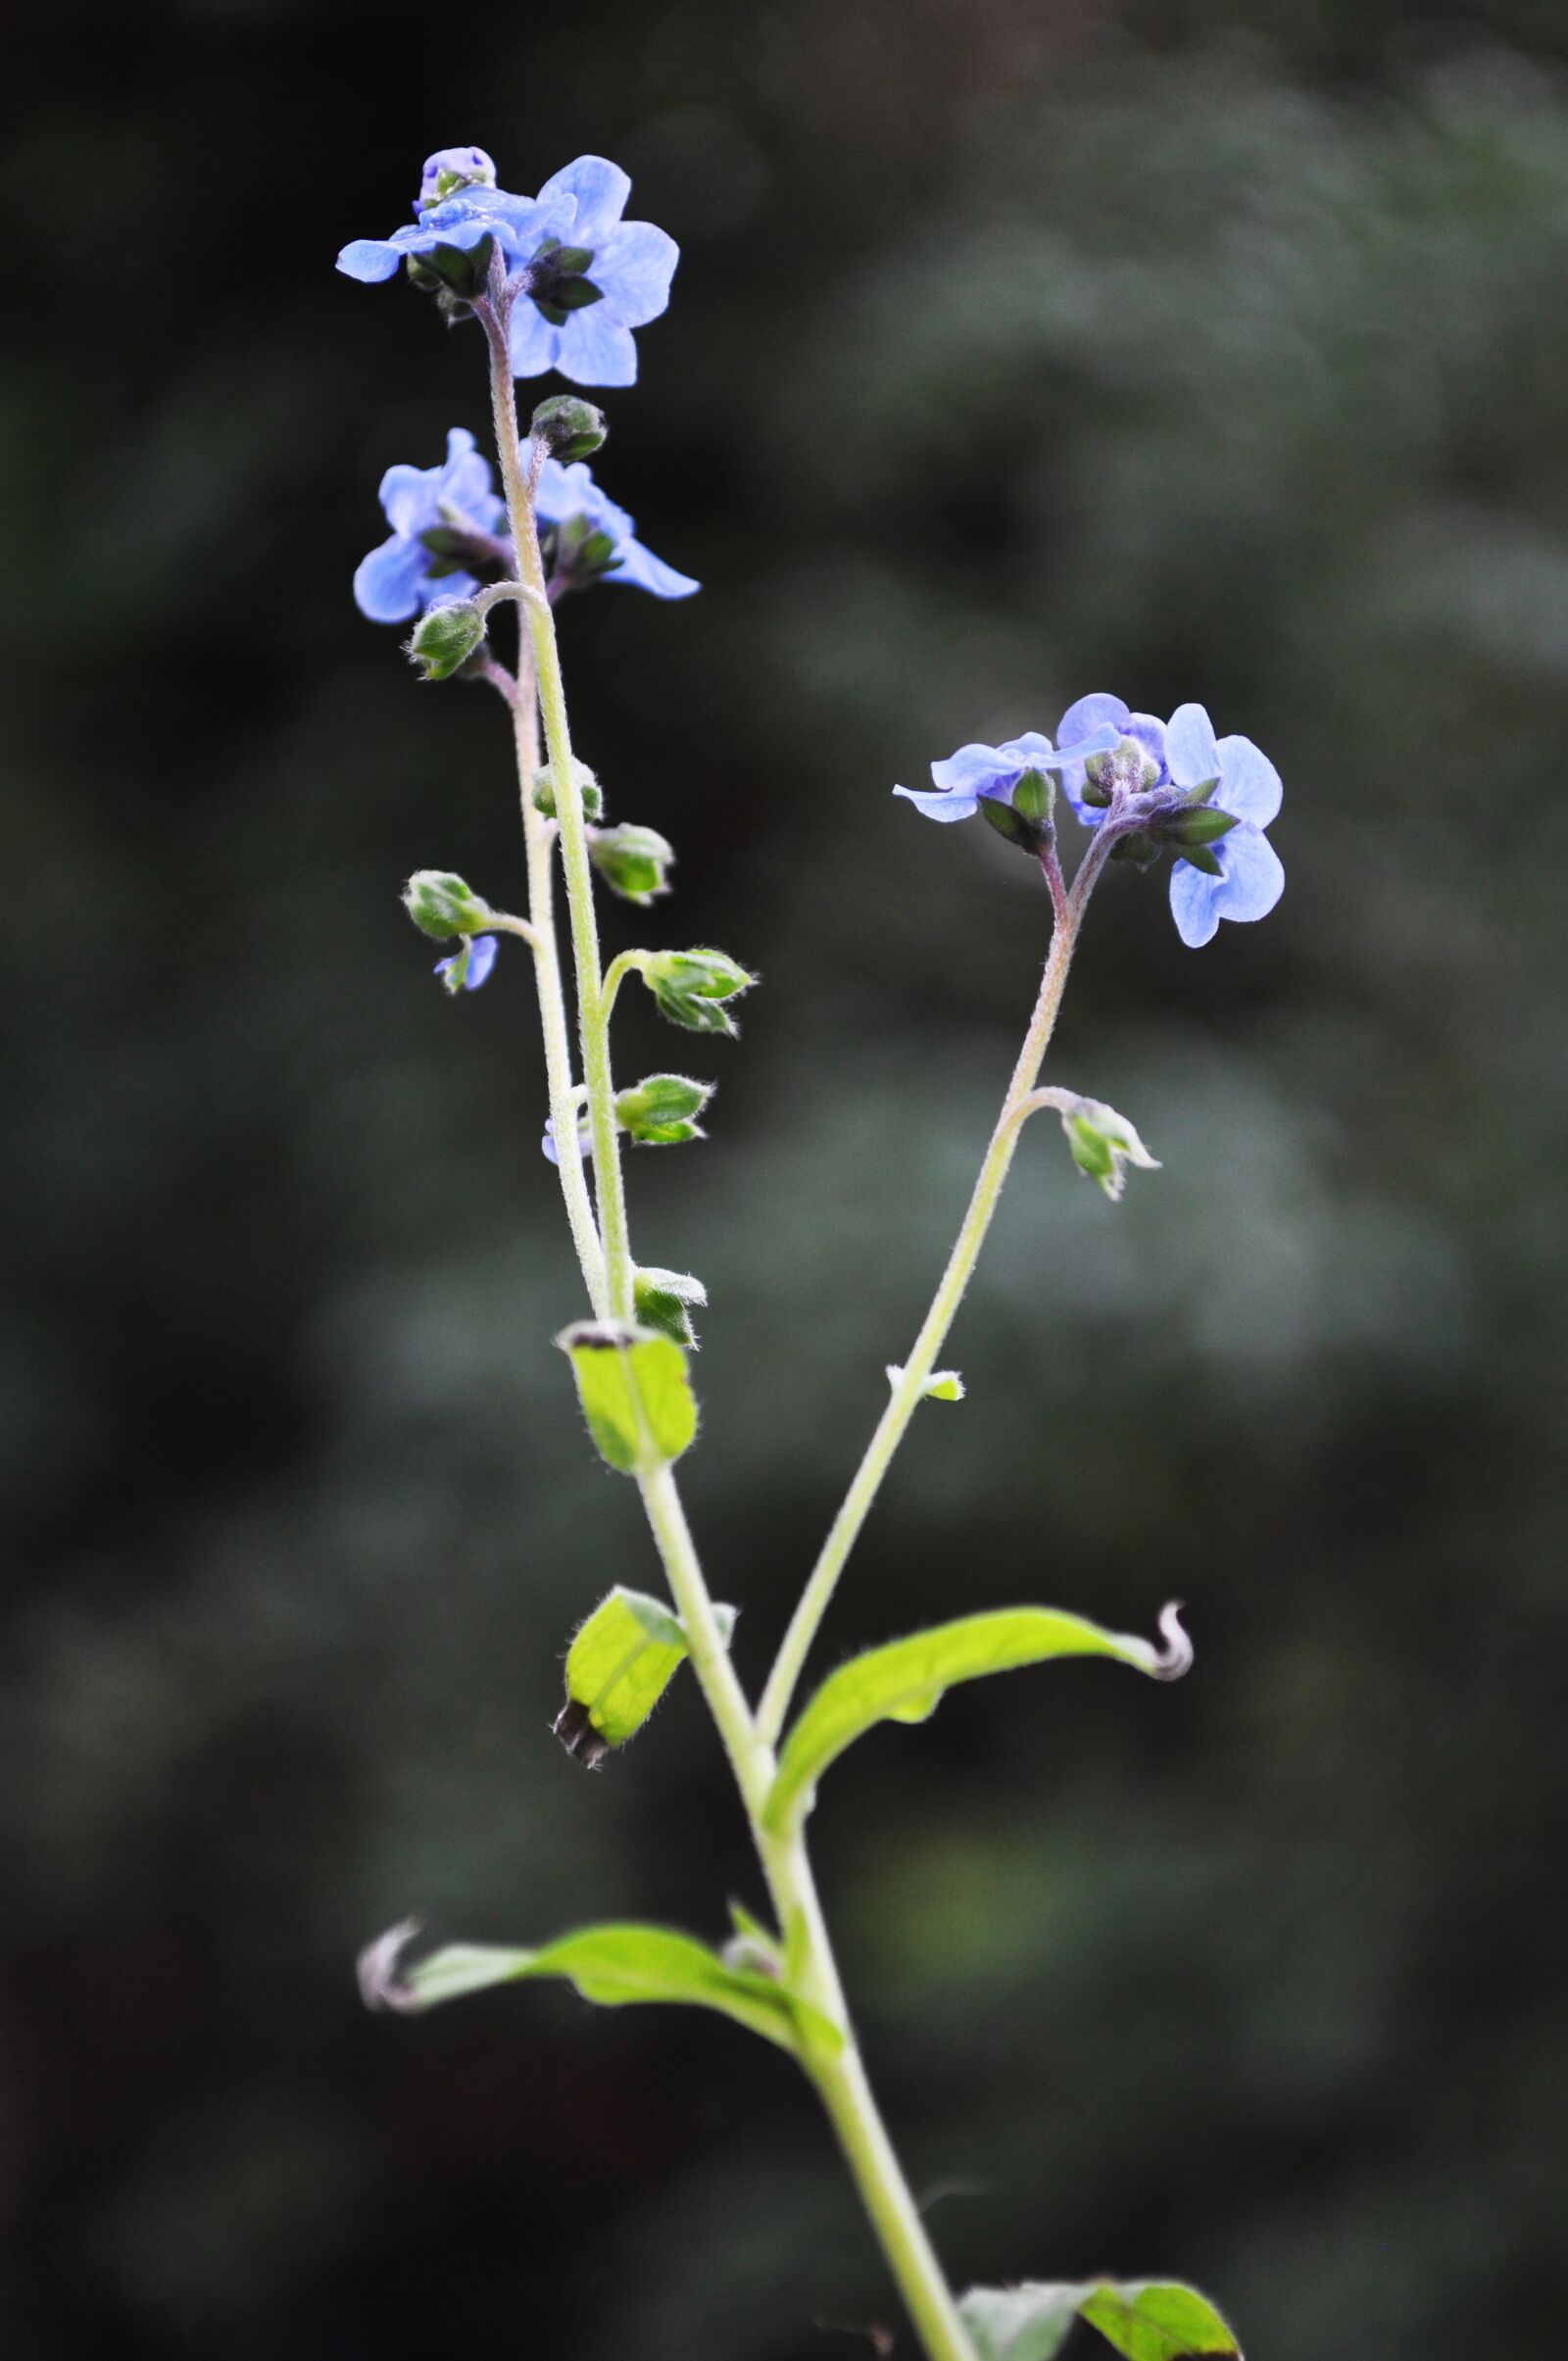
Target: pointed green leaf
{"points": [[612, 1965], [904, 1682], [1145, 2319], [632, 1384], [618, 1666], [1157, 2320]]}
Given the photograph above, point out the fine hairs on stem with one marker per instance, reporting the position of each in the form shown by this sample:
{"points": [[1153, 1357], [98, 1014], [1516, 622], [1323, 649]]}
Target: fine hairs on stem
{"points": [[562, 280]]}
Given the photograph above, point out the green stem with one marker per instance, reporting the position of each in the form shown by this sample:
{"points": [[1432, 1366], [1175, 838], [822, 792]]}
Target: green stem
{"points": [[537, 836], [909, 1388], [541, 630], [841, 2079]]}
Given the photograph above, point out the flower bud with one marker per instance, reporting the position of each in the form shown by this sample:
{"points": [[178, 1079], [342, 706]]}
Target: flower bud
{"points": [[632, 862], [661, 1111], [1128, 766], [442, 905], [689, 987], [1103, 1143], [452, 169], [569, 427], [666, 1300], [544, 790], [446, 637], [1139, 847]]}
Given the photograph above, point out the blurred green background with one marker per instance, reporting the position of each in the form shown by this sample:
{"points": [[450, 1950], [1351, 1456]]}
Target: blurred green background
{"points": [[1201, 350]]}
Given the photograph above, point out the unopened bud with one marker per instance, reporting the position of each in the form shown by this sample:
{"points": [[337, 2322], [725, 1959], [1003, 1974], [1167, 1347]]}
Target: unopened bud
{"points": [[633, 861], [569, 427], [544, 790], [446, 637], [442, 905]]}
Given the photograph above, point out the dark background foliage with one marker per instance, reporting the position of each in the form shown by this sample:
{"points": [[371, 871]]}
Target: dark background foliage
{"points": [[1191, 350]]}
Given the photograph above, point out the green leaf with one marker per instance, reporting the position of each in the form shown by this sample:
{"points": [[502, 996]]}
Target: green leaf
{"points": [[904, 1682], [619, 1665], [943, 1384], [611, 1965], [1157, 2320], [666, 1300], [632, 1384], [1145, 2319]]}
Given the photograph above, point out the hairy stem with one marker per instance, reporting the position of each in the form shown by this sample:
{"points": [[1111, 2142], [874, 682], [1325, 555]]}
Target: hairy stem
{"points": [[911, 1386], [540, 623]]}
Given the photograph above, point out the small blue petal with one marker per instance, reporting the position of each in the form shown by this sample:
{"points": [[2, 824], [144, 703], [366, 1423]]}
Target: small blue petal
{"points": [[535, 342], [368, 260], [973, 766], [1252, 883], [632, 270], [1192, 904], [956, 802], [594, 349], [481, 959], [600, 189], [1191, 746], [644, 571], [387, 584], [1092, 712], [1250, 786]]}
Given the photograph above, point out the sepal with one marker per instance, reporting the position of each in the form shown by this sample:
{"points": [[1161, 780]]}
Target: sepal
{"points": [[691, 988], [666, 1300], [1103, 1143]]}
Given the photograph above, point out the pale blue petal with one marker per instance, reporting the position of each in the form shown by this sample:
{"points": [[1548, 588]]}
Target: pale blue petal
{"points": [[1252, 787], [1031, 751], [645, 572], [387, 584], [481, 959], [953, 805], [465, 482], [1254, 874], [1093, 712], [596, 350], [535, 342], [1192, 905], [409, 497], [368, 260], [1097, 742], [971, 767], [1150, 732], [600, 189], [632, 270], [1190, 747]]}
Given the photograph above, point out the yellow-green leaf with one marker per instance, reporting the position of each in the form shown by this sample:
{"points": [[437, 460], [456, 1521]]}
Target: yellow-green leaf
{"points": [[905, 1681], [618, 1666], [632, 1384]]}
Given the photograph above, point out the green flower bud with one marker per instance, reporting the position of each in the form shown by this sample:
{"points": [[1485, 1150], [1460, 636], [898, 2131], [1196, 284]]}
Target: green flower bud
{"points": [[446, 637], [442, 905], [544, 790], [1129, 765], [1139, 847], [1103, 1143], [661, 1111], [632, 862], [690, 987], [569, 427]]}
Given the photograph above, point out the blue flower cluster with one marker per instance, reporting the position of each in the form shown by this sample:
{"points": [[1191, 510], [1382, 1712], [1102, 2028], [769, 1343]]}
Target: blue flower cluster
{"points": [[574, 306], [431, 510], [1156, 776]]}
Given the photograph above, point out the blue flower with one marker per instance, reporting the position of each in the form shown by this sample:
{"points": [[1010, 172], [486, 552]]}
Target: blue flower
{"points": [[994, 771], [404, 575], [567, 496], [582, 1139], [577, 304], [1251, 875], [1134, 757], [459, 205], [467, 969]]}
